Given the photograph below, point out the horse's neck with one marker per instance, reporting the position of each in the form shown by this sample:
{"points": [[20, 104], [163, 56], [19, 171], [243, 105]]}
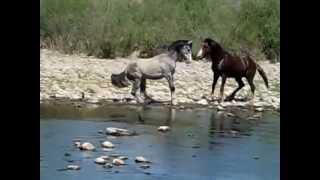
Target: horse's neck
{"points": [[216, 59], [173, 56]]}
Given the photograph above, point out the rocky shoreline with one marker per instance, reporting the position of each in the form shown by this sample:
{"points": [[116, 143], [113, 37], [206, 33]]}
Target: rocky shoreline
{"points": [[79, 79]]}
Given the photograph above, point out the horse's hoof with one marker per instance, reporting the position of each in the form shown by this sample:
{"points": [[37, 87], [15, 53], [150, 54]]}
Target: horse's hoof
{"points": [[229, 98]]}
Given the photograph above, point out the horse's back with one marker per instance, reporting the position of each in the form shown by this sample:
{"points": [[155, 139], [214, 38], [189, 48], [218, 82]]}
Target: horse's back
{"points": [[235, 66]]}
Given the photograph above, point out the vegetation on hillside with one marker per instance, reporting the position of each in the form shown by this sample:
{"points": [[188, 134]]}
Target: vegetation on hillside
{"points": [[109, 28]]}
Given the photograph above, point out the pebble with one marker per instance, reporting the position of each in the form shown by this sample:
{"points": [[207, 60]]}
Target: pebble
{"points": [[163, 128], [145, 166], [107, 144], [259, 109], [195, 146], [141, 159], [220, 108], [256, 157], [100, 160], [77, 144], [123, 157], [73, 167], [107, 149], [108, 165], [114, 155], [117, 131], [87, 146], [117, 162], [231, 114], [202, 102]]}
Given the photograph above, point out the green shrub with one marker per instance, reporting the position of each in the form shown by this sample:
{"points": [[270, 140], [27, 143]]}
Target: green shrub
{"points": [[109, 28]]}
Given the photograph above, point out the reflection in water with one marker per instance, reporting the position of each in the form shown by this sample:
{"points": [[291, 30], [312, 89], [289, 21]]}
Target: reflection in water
{"points": [[222, 125], [218, 122], [198, 143], [169, 116]]}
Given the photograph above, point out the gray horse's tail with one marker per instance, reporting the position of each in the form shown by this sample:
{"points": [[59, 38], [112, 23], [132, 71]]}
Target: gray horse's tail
{"points": [[120, 80], [263, 75]]}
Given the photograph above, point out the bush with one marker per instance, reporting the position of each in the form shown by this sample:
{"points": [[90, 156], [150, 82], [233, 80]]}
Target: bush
{"points": [[116, 27]]}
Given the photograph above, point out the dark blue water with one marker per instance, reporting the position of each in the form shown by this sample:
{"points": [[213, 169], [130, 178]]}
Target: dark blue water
{"points": [[193, 149]]}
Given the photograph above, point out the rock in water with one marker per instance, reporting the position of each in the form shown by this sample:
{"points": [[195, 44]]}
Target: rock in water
{"points": [[259, 109], [256, 157], [140, 159], [108, 165], [107, 144], [220, 108], [163, 128], [87, 147], [106, 149], [100, 160], [77, 144], [123, 157], [73, 167], [115, 155], [202, 102], [145, 166], [117, 131], [117, 162], [231, 115]]}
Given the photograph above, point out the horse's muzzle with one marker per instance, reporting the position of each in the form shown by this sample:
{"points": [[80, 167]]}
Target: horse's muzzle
{"points": [[188, 61]]}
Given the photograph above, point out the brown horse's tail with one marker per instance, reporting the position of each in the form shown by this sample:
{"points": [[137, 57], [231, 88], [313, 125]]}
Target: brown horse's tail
{"points": [[120, 80], [263, 75]]}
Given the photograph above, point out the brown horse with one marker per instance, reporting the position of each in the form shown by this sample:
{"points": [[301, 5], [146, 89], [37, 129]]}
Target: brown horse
{"points": [[226, 65]]}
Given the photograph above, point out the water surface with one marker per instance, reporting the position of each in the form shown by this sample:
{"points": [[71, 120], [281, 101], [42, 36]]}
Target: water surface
{"points": [[202, 144]]}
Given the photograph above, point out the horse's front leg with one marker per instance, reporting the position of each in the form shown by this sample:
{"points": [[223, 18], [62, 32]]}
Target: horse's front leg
{"points": [[135, 88], [215, 79], [224, 78], [172, 89]]}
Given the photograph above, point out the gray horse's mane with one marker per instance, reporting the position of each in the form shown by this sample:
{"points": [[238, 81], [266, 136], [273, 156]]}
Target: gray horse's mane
{"points": [[177, 44]]}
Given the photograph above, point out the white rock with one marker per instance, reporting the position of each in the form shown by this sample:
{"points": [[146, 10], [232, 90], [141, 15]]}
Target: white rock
{"points": [[230, 114], [163, 128], [117, 162], [259, 109], [220, 108], [141, 159], [107, 144], [87, 146], [202, 102], [73, 167], [117, 131], [100, 160], [77, 144], [107, 149]]}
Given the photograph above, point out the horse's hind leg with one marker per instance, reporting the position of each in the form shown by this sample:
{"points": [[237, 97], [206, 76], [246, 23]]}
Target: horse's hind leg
{"points": [[252, 86], [143, 86], [135, 88], [172, 89], [233, 94], [223, 81]]}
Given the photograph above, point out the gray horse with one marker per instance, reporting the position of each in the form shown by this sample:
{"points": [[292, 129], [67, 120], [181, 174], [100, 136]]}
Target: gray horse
{"points": [[157, 67]]}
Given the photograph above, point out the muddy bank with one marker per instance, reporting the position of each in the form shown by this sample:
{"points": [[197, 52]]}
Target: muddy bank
{"points": [[81, 80]]}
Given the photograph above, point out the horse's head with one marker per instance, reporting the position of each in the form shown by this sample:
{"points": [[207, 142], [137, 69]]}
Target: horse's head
{"points": [[183, 48], [208, 47]]}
